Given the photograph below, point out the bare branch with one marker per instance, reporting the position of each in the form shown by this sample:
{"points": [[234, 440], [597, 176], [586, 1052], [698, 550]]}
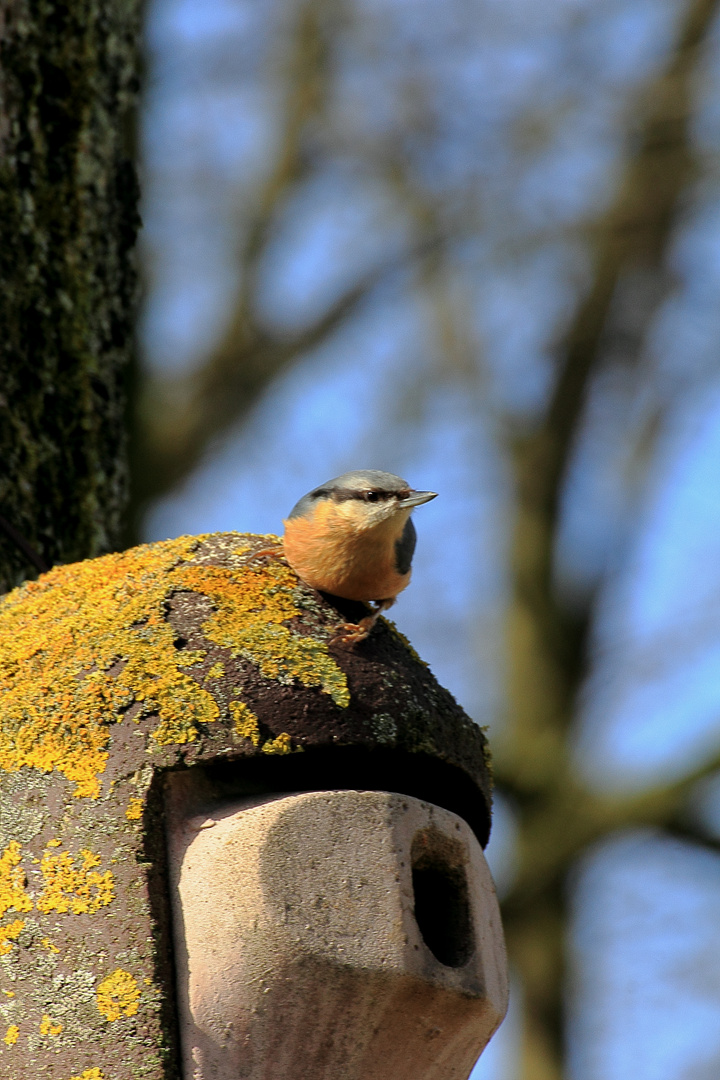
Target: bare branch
{"points": [[635, 233], [558, 817], [189, 413], [565, 826], [176, 417]]}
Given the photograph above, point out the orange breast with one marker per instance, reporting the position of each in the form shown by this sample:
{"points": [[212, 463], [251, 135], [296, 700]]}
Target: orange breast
{"points": [[333, 550]]}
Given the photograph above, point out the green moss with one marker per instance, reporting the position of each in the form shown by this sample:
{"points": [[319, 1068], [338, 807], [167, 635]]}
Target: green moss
{"points": [[401, 637]]}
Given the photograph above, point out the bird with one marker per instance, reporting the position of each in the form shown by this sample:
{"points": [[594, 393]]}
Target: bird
{"points": [[353, 537]]}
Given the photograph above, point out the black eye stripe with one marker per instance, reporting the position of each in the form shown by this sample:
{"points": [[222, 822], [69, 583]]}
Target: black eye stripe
{"points": [[376, 495], [369, 495]]}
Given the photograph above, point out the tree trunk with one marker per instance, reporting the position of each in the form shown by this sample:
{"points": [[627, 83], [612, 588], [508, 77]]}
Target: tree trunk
{"points": [[68, 219]]}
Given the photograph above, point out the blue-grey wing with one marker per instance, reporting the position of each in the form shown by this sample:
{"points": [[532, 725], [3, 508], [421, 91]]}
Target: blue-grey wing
{"points": [[405, 548]]}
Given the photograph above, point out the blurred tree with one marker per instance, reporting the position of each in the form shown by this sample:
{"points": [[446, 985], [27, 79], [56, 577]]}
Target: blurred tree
{"points": [[68, 80], [629, 277], [548, 644], [179, 416]]}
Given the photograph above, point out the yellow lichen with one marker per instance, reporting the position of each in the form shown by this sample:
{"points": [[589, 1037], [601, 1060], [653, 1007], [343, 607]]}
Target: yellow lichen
{"points": [[250, 609], [87, 641], [12, 1035], [118, 995], [89, 1074], [10, 933], [48, 1027], [405, 641], [9, 993], [47, 944], [216, 671], [78, 889], [134, 810], [12, 881], [281, 745], [245, 722], [182, 729]]}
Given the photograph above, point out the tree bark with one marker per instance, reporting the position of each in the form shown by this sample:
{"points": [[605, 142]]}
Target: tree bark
{"points": [[68, 197]]}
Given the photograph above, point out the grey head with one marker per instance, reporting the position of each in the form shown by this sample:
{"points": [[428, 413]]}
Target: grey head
{"points": [[366, 485], [384, 495]]}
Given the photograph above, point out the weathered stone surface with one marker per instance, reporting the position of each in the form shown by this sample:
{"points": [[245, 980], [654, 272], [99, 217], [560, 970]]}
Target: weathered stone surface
{"points": [[195, 653], [351, 934]]}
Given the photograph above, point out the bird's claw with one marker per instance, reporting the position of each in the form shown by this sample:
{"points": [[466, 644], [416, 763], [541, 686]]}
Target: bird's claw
{"points": [[352, 633], [276, 552]]}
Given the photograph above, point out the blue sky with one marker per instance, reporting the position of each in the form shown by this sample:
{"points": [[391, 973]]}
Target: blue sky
{"points": [[526, 100]]}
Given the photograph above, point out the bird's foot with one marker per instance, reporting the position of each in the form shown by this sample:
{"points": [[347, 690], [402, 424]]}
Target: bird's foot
{"points": [[277, 551], [350, 634]]}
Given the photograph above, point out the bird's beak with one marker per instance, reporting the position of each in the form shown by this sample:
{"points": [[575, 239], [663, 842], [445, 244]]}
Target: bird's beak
{"points": [[417, 498]]}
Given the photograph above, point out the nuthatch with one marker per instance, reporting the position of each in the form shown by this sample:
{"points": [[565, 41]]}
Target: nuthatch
{"points": [[353, 537]]}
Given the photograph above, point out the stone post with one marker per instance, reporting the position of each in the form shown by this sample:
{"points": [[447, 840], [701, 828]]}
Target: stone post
{"points": [[227, 848]]}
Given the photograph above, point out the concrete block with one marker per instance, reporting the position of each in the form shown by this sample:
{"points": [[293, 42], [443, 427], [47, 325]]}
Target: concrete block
{"points": [[333, 935]]}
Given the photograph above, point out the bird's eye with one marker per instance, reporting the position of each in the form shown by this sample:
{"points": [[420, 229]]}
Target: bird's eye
{"points": [[371, 496]]}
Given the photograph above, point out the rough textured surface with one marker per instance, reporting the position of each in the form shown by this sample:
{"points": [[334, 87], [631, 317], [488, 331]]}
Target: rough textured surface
{"points": [[67, 224], [351, 934], [201, 653]]}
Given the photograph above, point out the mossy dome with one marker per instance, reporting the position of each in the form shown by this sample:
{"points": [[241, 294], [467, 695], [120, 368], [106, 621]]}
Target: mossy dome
{"points": [[205, 653], [211, 649]]}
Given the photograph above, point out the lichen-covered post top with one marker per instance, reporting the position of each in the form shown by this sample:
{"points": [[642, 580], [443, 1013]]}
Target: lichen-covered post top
{"points": [[199, 653]]}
